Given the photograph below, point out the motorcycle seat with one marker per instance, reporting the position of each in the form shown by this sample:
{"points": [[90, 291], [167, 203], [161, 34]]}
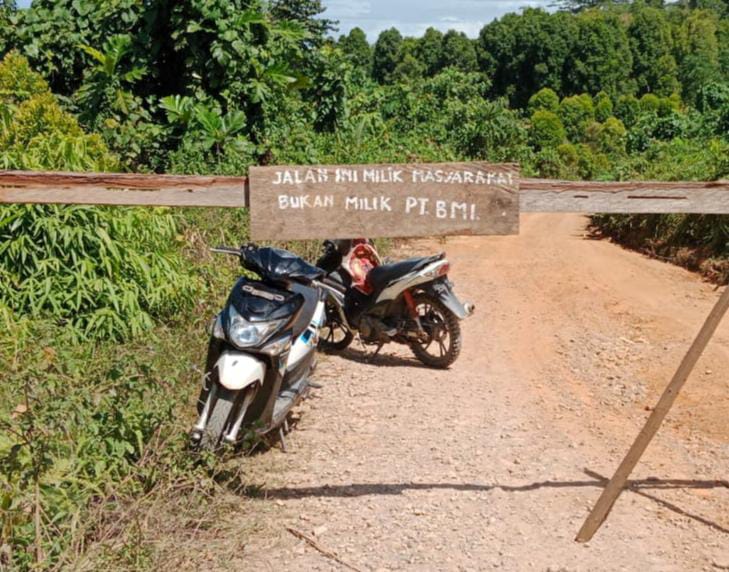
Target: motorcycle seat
{"points": [[380, 276]]}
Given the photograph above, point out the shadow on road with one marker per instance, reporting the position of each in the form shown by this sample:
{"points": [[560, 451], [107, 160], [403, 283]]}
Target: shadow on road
{"points": [[382, 359], [637, 486]]}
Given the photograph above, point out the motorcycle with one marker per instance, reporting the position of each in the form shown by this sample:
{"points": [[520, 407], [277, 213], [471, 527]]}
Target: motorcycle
{"points": [[262, 348], [409, 302]]}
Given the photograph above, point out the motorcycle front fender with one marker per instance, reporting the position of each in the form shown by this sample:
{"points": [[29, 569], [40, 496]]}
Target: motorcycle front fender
{"points": [[443, 290], [237, 370]]}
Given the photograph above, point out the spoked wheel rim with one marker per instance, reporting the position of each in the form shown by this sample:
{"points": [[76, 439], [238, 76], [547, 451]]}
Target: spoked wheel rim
{"points": [[441, 337], [334, 334], [439, 340]]}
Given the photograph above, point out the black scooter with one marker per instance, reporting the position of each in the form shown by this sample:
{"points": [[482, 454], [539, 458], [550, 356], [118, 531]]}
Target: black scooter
{"points": [[262, 348]]}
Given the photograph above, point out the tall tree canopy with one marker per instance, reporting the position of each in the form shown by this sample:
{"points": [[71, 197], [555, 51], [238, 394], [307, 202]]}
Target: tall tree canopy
{"points": [[386, 55], [357, 49]]}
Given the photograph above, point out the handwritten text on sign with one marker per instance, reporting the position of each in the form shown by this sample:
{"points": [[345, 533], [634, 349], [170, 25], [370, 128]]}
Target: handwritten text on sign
{"points": [[383, 200]]}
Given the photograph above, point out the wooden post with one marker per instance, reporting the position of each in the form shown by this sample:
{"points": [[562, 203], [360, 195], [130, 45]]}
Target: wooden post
{"points": [[617, 483]]}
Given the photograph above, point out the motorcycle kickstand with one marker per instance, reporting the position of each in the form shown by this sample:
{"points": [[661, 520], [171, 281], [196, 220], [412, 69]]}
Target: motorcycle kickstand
{"points": [[282, 439], [373, 355], [282, 431]]}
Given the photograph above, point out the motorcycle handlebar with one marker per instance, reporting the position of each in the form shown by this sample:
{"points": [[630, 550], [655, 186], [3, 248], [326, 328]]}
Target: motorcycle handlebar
{"points": [[227, 250]]}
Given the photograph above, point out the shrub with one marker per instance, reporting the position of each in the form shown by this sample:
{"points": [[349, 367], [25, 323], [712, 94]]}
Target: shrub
{"points": [[546, 129], [576, 113], [627, 109], [611, 138], [603, 106], [104, 271], [545, 99], [649, 103]]}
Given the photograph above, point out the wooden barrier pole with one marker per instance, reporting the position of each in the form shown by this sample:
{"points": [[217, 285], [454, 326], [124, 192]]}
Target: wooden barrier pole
{"points": [[617, 483]]}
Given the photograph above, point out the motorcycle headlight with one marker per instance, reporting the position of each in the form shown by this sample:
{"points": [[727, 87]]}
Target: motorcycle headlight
{"points": [[245, 334]]}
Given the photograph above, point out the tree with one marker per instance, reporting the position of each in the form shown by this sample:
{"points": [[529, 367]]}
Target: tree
{"points": [[544, 99], [229, 53], [7, 29], [576, 113], [386, 55], [651, 46], [627, 109], [611, 136], [307, 13], [523, 53], [546, 129], [101, 272], [600, 59], [458, 51], [357, 49], [698, 52], [603, 106], [722, 36], [429, 50]]}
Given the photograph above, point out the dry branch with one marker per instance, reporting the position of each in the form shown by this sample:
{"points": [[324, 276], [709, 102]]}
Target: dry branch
{"points": [[316, 546]]}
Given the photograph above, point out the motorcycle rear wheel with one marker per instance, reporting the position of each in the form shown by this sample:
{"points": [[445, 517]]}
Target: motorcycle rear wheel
{"points": [[444, 333]]}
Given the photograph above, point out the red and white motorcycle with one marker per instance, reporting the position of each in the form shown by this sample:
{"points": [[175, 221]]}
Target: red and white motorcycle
{"points": [[409, 302]]}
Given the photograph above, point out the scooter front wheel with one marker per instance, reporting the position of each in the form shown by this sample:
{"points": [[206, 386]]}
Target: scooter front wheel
{"points": [[225, 419], [218, 420]]}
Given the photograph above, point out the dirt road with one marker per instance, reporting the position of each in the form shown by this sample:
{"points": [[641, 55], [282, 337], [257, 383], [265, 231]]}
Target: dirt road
{"points": [[495, 463]]}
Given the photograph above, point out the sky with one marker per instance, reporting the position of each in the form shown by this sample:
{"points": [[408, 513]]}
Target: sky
{"points": [[413, 17]]}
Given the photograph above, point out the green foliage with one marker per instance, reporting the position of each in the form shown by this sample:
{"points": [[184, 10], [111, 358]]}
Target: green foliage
{"points": [[458, 51], [603, 106], [698, 52], [576, 113], [545, 99], [601, 59], [546, 129], [429, 51], [308, 13], [104, 272], [650, 103], [627, 109], [214, 86], [523, 53], [386, 55], [357, 49], [611, 136], [651, 46]]}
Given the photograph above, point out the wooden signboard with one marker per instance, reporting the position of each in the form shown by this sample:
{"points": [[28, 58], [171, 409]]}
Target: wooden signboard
{"points": [[300, 202]]}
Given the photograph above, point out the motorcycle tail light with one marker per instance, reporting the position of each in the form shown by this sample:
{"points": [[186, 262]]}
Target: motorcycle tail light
{"points": [[443, 270]]}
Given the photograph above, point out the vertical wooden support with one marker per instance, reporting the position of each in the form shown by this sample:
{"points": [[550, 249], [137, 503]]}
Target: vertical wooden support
{"points": [[617, 482]]}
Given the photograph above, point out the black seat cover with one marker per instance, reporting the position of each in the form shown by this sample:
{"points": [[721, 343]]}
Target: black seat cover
{"points": [[380, 276], [277, 264]]}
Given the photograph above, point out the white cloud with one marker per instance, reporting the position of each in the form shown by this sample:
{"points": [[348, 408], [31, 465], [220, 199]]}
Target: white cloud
{"points": [[413, 18]]}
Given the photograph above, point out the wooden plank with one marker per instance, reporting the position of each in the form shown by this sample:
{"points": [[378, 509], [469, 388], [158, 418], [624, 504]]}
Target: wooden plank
{"points": [[122, 189], [545, 195], [341, 201], [536, 195], [617, 483]]}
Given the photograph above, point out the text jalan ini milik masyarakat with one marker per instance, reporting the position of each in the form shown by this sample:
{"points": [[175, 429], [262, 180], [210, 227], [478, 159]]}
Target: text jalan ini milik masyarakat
{"points": [[409, 204]]}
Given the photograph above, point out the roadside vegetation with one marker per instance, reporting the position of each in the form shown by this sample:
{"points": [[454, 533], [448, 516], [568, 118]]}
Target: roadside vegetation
{"points": [[103, 310]]}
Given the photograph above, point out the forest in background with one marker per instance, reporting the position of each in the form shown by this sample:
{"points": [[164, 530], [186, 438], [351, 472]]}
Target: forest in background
{"points": [[103, 310]]}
